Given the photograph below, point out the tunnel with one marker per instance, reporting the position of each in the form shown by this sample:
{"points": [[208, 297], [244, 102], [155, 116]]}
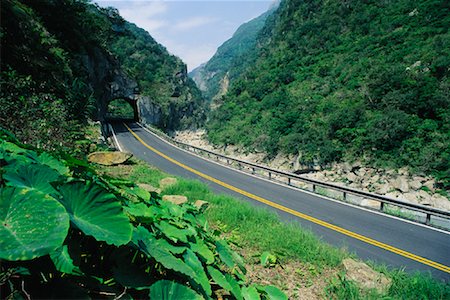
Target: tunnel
{"points": [[122, 109]]}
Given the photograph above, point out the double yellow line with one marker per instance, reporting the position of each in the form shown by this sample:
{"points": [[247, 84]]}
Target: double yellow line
{"points": [[346, 232]]}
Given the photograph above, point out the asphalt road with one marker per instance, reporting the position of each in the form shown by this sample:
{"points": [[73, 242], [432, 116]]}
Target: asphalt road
{"points": [[415, 247]]}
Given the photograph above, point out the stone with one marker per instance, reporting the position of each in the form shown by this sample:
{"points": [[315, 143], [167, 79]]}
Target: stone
{"points": [[166, 182], [175, 199], [423, 195], [430, 185], [109, 158], [365, 276], [419, 179], [394, 194], [200, 204], [149, 188], [384, 189], [440, 202], [370, 203], [410, 197], [351, 177], [415, 185], [401, 184], [375, 178]]}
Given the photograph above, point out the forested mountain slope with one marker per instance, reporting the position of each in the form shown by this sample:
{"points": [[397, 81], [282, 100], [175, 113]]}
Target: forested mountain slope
{"points": [[60, 58], [214, 76], [346, 80]]}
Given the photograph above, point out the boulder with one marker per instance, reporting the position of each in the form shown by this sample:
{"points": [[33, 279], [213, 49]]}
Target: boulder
{"points": [[201, 204], [384, 189], [375, 178], [365, 276], [401, 184], [175, 199], [351, 177], [410, 197], [440, 202], [109, 158], [149, 188], [166, 182], [415, 185], [429, 184]]}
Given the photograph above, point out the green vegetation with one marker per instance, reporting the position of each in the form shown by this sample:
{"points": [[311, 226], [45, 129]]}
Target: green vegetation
{"points": [[256, 232], [342, 81], [161, 77], [67, 232], [226, 64], [58, 61], [120, 109]]}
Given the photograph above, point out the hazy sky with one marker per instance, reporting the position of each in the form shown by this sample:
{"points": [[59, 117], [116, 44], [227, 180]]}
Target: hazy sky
{"points": [[189, 29]]}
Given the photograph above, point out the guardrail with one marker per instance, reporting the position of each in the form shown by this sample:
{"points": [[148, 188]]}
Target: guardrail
{"points": [[428, 212]]}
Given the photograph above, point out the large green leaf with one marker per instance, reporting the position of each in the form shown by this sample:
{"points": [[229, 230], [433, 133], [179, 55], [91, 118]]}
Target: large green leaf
{"points": [[32, 224], [63, 262], [202, 249], [170, 290], [250, 293], [192, 261], [225, 253], [274, 293], [96, 212], [53, 163], [153, 247], [219, 278], [172, 232], [32, 176]]}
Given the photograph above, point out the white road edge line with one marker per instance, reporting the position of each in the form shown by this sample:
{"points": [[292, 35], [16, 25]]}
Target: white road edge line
{"points": [[115, 138], [298, 189]]}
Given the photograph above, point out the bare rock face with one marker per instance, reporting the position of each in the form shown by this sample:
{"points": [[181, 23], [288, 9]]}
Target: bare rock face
{"points": [[365, 276], [166, 182], [175, 199], [109, 158]]}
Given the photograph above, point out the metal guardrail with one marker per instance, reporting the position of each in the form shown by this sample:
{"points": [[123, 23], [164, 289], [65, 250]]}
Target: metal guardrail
{"points": [[346, 191]]}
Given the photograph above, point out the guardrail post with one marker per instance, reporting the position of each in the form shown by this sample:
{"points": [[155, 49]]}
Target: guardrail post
{"points": [[382, 206], [253, 170], [270, 175], [344, 195], [228, 161], [289, 180], [428, 219]]}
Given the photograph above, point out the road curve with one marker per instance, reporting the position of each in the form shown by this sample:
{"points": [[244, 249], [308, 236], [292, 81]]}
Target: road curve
{"points": [[372, 236]]}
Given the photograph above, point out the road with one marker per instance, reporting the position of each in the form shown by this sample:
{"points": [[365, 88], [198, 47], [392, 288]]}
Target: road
{"points": [[371, 235]]}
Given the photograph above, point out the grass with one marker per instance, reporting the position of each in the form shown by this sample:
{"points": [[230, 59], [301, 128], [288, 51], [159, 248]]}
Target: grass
{"points": [[255, 230]]}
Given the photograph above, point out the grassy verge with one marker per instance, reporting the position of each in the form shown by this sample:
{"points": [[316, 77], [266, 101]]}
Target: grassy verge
{"points": [[306, 267]]}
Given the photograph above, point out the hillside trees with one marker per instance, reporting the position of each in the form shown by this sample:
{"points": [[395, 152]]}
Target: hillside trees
{"points": [[347, 80]]}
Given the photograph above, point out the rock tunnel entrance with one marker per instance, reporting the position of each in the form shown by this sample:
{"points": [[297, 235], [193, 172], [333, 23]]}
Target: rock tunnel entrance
{"points": [[122, 109]]}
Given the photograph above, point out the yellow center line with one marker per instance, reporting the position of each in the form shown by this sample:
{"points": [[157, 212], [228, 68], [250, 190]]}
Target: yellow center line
{"points": [[346, 232]]}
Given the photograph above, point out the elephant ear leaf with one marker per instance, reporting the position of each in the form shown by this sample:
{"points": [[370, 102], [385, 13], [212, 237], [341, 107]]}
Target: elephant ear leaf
{"points": [[170, 290], [63, 262], [96, 212], [32, 224], [32, 176]]}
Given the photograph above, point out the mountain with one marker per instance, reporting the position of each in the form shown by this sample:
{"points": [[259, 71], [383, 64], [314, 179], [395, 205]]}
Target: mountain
{"points": [[213, 77], [62, 62], [344, 81]]}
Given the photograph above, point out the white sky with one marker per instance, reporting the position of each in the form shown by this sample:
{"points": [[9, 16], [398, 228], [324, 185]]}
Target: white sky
{"points": [[192, 30]]}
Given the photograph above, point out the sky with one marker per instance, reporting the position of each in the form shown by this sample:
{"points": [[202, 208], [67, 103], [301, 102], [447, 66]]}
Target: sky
{"points": [[190, 29]]}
